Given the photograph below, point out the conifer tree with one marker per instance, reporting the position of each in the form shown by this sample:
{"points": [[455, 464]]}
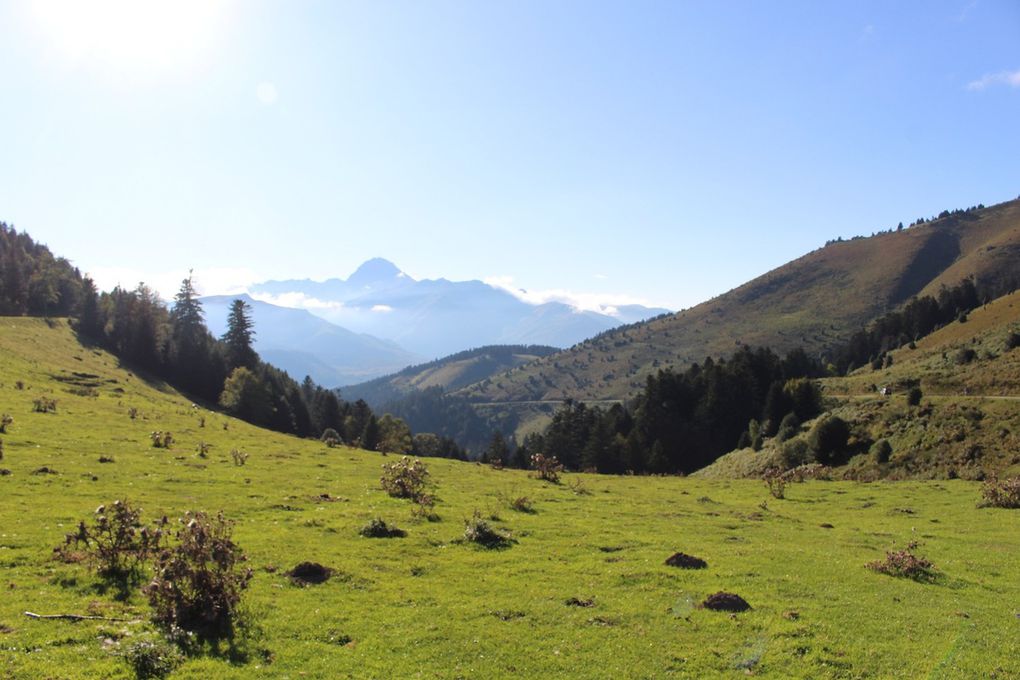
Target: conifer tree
{"points": [[239, 336]]}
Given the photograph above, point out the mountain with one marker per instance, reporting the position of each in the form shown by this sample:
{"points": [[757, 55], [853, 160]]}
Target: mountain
{"points": [[303, 344], [816, 302], [438, 317], [449, 373]]}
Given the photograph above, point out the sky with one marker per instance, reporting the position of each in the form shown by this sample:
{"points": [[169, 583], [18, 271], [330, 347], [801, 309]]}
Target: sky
{"points": [[653, 152]]}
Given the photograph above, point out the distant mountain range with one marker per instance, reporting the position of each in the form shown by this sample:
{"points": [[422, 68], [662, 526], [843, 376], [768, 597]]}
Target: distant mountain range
{"points": [[303, 344], [435, 318]]}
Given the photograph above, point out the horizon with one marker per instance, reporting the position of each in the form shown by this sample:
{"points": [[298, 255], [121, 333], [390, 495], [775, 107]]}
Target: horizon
{"points": [[656, 154]]}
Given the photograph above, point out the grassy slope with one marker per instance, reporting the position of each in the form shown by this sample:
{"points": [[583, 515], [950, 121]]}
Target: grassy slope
{"points": [[969, 420], [429, 606], [814, 302]]}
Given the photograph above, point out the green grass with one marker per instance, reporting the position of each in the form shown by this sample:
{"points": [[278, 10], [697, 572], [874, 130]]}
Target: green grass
{"points": [[430, 605]]}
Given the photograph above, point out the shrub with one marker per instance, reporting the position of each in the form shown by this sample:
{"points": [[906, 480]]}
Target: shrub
{"points": [[521, 504], [881, 451], [153, 659], [44, 405], [161, 440], [546, 468], [1001, 494], [775, 480], [132, 413], [828, 439], [405, 479], [203, 449], [19, 384], [198, 582], [1013, 340], [794, 453], [477, 530], [1, 449], [914, 395], [117, 542], [423, 507], [239, 457], [5, 421], [330, 437], [964, 355], [904, 563], [377, 528], [789, 427]]}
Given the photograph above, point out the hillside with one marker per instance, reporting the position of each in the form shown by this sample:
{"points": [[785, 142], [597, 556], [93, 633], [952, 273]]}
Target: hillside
{"points": [[968, 422], [581, 592], [449, 373], [437, 317], [816, 302]]}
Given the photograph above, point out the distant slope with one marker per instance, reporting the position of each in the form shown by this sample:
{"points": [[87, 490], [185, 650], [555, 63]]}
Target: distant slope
{"points": [[814, 302], [303, 344], [968, 423], [449, 373], [435, 318]]}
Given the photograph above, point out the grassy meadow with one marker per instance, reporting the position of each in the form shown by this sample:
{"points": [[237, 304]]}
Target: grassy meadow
{"points": [[582, 592]]}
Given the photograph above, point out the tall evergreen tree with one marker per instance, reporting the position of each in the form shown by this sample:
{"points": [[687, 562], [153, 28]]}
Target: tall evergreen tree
{"points": [[239, 336]]}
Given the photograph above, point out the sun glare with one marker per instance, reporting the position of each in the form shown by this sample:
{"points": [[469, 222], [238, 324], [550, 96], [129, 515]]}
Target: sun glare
{"points": [[130, 36]]}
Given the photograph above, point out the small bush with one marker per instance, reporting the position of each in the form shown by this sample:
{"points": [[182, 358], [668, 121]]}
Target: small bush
{"points": [[775, 480], [423, 507], [1001, 493], [161, 440], [132, 413], [377, 528], [198, 582], [331, 438], [239, 457], [1013, 340], [828, 440], [19, 384], [117, 542], [1, 449], [964, 355], [521, 504], [153, 659], [905, 564], [546, 468], [203, 449], [477, 530], [5, 421], [794, 453], [44, 405], [405, 479], [789, 428], [881, 451], [914, 395]]}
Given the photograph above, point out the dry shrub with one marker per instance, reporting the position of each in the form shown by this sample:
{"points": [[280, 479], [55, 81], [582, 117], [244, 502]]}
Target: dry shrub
{"points": [[377, 528], [203, 449], [904, 563], [44, 405], [239, 457], [198, 581], [546, 468], [5, 421], [117, 542], [775, 479], [1004, 493], [477, 530], [161, 440], [405, 479], [331, 438]]}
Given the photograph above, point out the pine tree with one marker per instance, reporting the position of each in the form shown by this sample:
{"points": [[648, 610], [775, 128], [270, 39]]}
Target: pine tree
{"points": [[239, 336]]}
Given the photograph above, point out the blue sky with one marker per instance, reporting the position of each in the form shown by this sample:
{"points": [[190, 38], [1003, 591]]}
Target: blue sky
{"points": [[662, 152]]}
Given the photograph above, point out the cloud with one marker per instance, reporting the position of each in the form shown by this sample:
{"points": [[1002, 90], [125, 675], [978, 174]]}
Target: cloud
{"points": [[297, 300], [382, 308], [212, 281], [603, 303], [1007, 78]]}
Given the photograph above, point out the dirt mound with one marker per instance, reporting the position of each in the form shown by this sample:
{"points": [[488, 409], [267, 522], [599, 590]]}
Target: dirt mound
{"points": [[725, 602], [577, 602], [309, 573], [685, 561]]}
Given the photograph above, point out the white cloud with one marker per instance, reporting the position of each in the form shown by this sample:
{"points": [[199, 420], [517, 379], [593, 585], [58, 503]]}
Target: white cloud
{"points": [[212, 281], [603, 303], [297, 301], [1008, 78], [382, 308], [267, 94]]}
